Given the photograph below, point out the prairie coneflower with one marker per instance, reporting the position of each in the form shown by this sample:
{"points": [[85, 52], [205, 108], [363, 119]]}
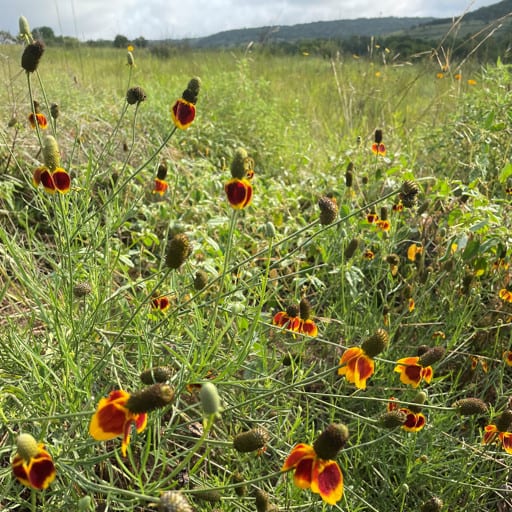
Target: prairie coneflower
{"points": [[37, 117], [55, 181], [239, 189], [183, 112], [116, 413], [161, 303], [32, 465], [357, 364], [507, 357], [297, 319], [413, 421], [499, 431], [378, 148], [161, 185], [412, 372], [31, 56], [314, 465], [505, 294]]}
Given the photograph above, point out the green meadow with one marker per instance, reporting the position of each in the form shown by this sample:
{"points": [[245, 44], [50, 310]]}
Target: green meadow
{"points": [[244, 326]]}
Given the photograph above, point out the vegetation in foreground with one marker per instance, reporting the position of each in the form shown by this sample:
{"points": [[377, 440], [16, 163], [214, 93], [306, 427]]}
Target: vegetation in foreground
{"points": [[289, 271]]}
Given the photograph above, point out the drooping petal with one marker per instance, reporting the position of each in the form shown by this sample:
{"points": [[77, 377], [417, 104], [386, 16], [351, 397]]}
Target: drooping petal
{"points": [[427, 373], [364, 369], [414, 421], [410, 371], [299, 451], [62, 180], [111, 416], [309, 327], [183, 113], [303, 473], [350, 353], [41, 470], [43, 175], [160, 187], [19, 469], [327, 480], [238, 192], [280, 318], [506, 439], [490, 434]]}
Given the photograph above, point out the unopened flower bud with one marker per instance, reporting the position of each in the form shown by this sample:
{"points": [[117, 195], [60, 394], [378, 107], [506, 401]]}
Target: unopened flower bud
{"points": [[331, 441], [157, 374], [270, 230], [470, 406], [250, 441], [151, 398], [178, 250], [419, 399], [24, 28], [328, 210], [27, 446], [210, 399], [173, 501], [376, 343], [129, 59]]}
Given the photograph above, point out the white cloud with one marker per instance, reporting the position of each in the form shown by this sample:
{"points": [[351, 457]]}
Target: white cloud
{"points": [[156, 19]]}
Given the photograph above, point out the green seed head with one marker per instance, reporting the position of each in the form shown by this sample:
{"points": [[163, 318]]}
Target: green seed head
{"points": [[27, 446], [200, 280], [151, 398], [209, 495], [178, 250], [210, 399], [250, 441], [470, 406], [24, 28], [238, 165], [156, 375], [191, 93], [376, 343], [51, 154]]}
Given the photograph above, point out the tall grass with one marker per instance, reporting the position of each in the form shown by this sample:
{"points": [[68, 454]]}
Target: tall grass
{"points": [[303, 120]]}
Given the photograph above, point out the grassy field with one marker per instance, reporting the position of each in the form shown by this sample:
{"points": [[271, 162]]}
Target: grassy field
{"points": [[389, 256]]}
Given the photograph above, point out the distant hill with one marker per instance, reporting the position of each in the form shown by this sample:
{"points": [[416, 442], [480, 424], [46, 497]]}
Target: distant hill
{"points": [[422, 28]]}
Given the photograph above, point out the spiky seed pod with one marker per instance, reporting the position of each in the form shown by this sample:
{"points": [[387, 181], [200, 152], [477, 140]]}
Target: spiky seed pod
{"points": [[161, 172], [434, 504], [151, 398], [504, 420], [376, 343], [51, 154], [422, 349], [349, 178], [210, 399], [408, 193], [173, 501], [419, 399], [178, 250], [54, 110], [392, 419], [470, 406], [331, 441], [240, 490], [393, 259], [250, 441], [157, 374], [328, 210], [210, 495], [82, 289], [351, 248], [192, 91], [305, 309], [378, 136], [238, 169], [200, 280], [135, 95], [263, 502], [432, 356], [31, 56]]}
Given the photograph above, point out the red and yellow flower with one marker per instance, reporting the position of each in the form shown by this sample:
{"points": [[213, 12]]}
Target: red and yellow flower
{"points": [[57, 180], [412, 372], [113, 418], [239, 192], [161, 303], [414, 422], [38, 119], [32, 465], [499, 431], [297, 319], [183, 113], [379, 149], [505, 294], [314, 467], [356, 366]]}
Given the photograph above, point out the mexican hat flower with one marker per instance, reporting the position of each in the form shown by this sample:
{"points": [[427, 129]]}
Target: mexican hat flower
{"points": [[314, 466], [413, 370], [32, 465], [378, 148], [413, 420], [117, 413], [37, 117], [183, 112], [238, 189], [297, 319], [357, 364], [161, 186], [499, 431]]}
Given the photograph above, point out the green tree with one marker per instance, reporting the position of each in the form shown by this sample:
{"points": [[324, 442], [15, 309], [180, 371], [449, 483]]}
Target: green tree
{"points": [[121, 41]]}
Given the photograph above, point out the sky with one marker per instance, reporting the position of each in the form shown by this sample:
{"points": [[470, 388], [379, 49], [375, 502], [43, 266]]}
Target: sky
{"points": [[178, 19]]}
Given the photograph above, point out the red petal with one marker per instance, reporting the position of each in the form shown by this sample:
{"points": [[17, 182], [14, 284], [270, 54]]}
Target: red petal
{"points": [[41, 471], [302, 475], [62, 180], [365, 367], [20, 471], [298, 452], [506, 439], [183, 113], [327, 480], [110, 417], [238, 192]]}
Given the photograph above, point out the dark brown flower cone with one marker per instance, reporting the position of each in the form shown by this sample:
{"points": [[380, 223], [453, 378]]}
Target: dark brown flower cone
{"points": [[82, 289], [155, 375], [178, 250], [328, 210], [263, 502], [238, 168], [135, 95], [470, 406], [504, 420], [31, 56], [305, 309], [432, 356], [351, 248], [392, 419], [331, 441], [191, 93], [151, 398], [200, 280], [250, 441]]}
